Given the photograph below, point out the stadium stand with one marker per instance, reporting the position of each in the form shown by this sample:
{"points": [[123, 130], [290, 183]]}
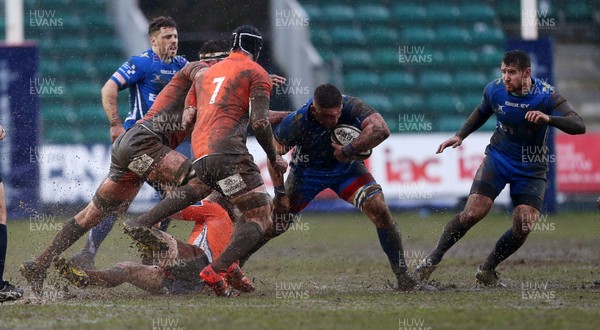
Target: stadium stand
{"points": [[79, 50], [431, 57], [408, 56]]}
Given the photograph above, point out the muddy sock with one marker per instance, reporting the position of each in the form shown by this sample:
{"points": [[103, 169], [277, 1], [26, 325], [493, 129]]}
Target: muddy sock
{"points": [[505, 247], [68, 235], [181, 198], [3, 244], [452, 233], [252, 251], [243, 240], [391, 243]]}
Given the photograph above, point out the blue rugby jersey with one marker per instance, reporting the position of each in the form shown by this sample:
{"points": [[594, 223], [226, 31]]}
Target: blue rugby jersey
{"points": [[313, 152], [517, 140], [145, 75]]}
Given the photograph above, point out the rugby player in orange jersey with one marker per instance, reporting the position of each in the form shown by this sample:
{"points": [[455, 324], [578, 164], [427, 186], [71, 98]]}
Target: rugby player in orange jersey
{"points": [[178, 262], [229, 96], [144, 153]]}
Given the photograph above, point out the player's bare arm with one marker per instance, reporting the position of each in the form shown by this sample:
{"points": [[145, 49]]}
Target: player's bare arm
{"points": [[281, 202], [374, 130], [259, 120], [189, 112], [110, 92], [475, 120]]}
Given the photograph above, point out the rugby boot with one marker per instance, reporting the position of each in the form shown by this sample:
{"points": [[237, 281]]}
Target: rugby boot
{"points": [[71, 273], [237, 279], [10, 293], [424, 270], [83, 260], [34, 275], [149, 239], [216, 281], [405, 282], [488, 278]]}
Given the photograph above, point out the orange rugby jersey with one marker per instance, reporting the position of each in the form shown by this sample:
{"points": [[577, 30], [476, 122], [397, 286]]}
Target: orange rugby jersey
{"points": [[165, 116], [222, 96], [212, 229]]}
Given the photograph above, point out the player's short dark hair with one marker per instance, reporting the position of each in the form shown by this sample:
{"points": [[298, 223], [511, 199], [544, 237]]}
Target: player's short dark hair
{"points": [[327, 96], [213, 50], [518, 58], [159, 22]]}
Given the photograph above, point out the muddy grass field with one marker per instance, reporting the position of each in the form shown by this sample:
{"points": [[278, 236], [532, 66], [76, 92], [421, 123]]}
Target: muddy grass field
{"points": [[328, 272]]}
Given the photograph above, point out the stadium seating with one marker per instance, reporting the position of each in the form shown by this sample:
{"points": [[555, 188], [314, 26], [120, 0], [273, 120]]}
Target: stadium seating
{"points": [[431, 57], [79, 55]]}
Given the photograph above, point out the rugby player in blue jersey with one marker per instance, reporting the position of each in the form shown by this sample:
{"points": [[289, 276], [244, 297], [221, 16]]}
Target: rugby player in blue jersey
{"points": [[145, 75], [525, 108], [318, 164]]}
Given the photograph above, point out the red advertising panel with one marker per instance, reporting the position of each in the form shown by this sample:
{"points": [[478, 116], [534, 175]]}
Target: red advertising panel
{"points": [[578, 163]]}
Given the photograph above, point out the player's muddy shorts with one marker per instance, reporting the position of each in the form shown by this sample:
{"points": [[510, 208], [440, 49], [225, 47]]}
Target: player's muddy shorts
{"points": [[302, 188], [231, 175], [136, 152], [493, 175]]}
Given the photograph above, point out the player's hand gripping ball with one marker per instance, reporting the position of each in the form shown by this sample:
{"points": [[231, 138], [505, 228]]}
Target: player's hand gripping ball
{"points": [[344, 135], [2, 133]]}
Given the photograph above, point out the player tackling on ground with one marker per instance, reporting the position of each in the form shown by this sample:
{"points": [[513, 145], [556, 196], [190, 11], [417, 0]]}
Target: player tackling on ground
{"points": [[525, 107], [178, 263]]}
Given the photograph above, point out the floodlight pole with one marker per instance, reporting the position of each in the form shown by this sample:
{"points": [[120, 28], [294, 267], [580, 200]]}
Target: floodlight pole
{"points": [[15, 31]]}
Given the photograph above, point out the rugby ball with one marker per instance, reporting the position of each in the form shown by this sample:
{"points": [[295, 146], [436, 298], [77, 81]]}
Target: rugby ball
{"points": [[344, 135]]}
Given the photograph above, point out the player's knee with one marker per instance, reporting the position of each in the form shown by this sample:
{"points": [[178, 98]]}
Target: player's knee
{"points": [[107, 204], [90, 216]]}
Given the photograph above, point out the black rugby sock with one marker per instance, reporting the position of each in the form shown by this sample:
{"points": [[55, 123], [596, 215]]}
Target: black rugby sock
{"points": [[243, 241], [391, 243], [252, 251], [68, 235], [452, 233], [505, 247], [178, 200], [3, 244]]}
